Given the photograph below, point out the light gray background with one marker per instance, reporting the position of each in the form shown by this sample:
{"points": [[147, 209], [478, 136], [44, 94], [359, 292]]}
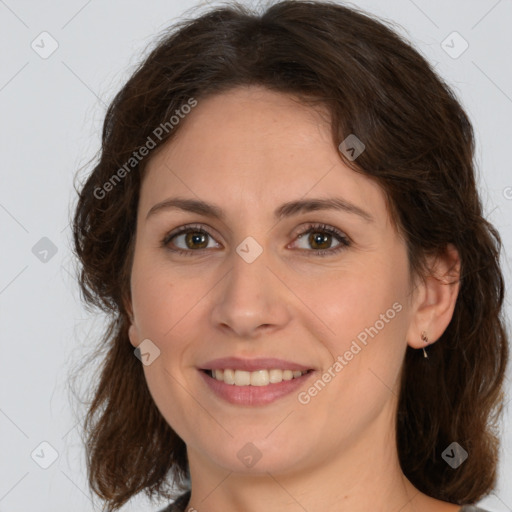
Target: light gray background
{"points": [[51, 115]]}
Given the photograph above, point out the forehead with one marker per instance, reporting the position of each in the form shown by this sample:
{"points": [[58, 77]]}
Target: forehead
{"points": [[251, 149]]}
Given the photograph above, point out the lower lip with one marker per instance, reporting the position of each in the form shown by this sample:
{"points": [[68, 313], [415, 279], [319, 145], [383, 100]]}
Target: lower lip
{"points": [[254, 395]]}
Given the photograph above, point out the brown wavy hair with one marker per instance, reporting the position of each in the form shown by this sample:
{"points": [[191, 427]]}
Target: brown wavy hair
{"points": [[419, 149]]}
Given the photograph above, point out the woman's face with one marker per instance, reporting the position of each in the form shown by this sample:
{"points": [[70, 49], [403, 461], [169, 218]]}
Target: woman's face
{"points": [[251, 288]]}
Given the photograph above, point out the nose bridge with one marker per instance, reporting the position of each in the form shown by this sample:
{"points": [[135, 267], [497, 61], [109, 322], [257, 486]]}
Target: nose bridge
{"points": [[248, 280], [250, 296]]}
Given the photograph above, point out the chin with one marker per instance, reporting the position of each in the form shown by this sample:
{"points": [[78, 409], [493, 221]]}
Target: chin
{"points": [[241, 455]]}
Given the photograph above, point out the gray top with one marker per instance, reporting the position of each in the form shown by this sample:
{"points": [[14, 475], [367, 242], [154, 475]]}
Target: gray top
{"points": [[181, 502]]}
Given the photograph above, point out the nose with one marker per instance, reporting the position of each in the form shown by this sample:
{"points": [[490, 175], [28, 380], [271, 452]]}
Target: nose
{"points": [[251, 299]]}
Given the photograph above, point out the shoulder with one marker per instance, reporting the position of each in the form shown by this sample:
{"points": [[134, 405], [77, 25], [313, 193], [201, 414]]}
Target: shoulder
{"points": [[180, 503]]}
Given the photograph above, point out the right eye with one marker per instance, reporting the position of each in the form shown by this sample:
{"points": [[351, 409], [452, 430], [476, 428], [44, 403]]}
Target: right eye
{"points": [[195, 238]]}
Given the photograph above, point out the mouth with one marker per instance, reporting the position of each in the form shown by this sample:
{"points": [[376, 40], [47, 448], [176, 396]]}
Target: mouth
{"points": [[263, 377], [250, 383]]}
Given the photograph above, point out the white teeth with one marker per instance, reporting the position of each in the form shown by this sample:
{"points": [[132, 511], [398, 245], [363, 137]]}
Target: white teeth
{"points": [[275, 376], [242, 378], [287, 375], [228, 376], [257, 378]]}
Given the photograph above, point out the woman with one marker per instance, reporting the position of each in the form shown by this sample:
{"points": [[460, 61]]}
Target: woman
{"points": [[306, 300]]}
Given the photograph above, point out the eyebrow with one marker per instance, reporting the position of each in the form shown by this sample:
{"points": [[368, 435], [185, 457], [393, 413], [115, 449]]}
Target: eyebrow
{"points": [[285, 210]]}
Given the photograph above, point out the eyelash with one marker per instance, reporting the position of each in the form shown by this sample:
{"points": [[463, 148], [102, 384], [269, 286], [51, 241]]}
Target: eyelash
{"points": [[197, 228]]}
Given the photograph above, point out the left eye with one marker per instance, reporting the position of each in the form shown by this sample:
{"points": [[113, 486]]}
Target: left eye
{"points": [[320, 235]]}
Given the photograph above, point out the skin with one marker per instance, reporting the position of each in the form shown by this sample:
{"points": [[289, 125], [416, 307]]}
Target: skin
{"points": [[249, 151]]}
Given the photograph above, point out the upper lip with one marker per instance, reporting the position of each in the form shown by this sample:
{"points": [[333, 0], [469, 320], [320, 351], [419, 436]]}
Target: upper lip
{"points": [[261, 363]]}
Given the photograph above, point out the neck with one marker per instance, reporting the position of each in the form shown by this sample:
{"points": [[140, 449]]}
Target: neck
{"points": [[362, 474]]}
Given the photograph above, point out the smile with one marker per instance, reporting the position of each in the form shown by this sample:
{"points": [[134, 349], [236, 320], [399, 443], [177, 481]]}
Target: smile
{"points": [[254, 388], [255, 378]]}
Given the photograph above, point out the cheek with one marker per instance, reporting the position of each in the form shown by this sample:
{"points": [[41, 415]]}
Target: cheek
{"points": [[163, 304], [159, 299], [166, 308], [367, 317], [358, 300]]}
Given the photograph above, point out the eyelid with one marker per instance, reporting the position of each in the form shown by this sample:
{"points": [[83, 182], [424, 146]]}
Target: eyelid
{"points": [[344, 240], [185, 228]]}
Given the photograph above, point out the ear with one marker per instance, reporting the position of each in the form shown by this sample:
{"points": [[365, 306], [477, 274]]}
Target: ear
{"points": [[133, 335], [435, 299]]}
